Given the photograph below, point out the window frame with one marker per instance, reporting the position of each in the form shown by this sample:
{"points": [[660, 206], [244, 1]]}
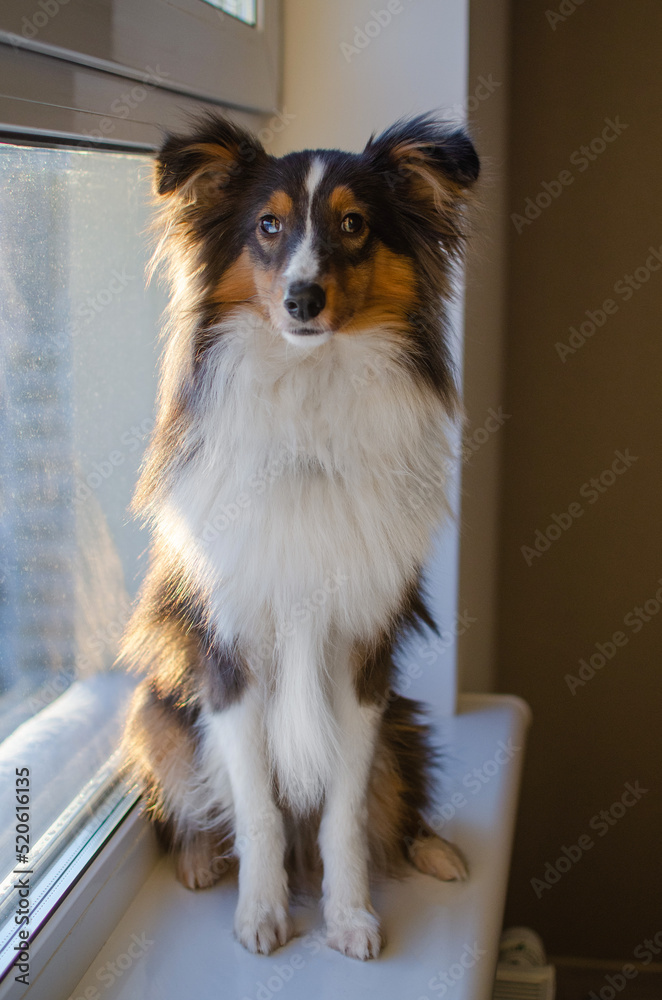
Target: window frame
{"points": [[185, 47], [56, 869], [106, 831], [124, 856]]}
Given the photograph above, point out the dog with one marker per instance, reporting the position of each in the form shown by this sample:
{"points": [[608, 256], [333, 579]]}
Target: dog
{"points": [[293, 482]]}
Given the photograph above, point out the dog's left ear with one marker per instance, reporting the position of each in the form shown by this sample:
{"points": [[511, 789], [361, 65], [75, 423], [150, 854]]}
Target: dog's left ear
{"points": [[201, 165], [427, 159]]}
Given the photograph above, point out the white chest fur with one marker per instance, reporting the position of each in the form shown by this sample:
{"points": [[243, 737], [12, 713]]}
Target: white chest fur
{"points": [[309, 506]]}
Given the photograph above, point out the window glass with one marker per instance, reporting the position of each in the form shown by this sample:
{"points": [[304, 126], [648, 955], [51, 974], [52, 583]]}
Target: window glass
{"points": [[245, 10], [77, 385]]}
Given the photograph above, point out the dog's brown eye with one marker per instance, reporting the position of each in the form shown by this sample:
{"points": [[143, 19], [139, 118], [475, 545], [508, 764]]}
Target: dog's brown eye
{"points": [[270, 225], [352, 223]]}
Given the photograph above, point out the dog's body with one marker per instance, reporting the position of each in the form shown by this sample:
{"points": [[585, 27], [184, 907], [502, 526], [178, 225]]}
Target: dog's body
{"points": [[293, 483]]}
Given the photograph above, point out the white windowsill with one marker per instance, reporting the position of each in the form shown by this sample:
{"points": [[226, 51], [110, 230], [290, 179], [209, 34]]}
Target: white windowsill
{"points": [[430, 926]]}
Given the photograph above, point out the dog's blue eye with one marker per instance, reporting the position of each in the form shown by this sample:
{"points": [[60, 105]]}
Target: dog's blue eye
{"points": [[270, 224], [352, 223]]}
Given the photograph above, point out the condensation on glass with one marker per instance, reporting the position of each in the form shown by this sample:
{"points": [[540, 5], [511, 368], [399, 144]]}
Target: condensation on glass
{"points": [[77, 386]]}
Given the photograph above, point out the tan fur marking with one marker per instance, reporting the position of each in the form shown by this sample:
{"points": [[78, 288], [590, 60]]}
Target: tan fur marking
{"points": [[238, 282], [394, 280], [279, 204], [213, 151], [389, 294], [343, 299], [424, 179], [342, 200], [208, 181]]}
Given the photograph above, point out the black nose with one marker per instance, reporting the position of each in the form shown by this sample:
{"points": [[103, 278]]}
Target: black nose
{"points": [[305, 301]]}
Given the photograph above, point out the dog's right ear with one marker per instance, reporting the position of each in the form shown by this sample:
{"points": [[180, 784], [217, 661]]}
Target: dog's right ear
{"points": [[200, 166]]}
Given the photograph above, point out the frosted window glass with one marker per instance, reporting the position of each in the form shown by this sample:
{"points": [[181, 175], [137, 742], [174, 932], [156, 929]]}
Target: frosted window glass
{"points": [[77, 386]]}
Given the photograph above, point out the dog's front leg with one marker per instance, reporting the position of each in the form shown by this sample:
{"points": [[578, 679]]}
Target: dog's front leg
{"points": [[261, 921], [352, 925]]}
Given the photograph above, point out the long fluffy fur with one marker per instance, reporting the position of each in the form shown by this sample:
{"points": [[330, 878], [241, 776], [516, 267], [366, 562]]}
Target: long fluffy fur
{"points": [[292, 492]]}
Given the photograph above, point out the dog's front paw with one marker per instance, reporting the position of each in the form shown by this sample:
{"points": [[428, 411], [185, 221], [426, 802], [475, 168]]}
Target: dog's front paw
{"points": [[355, 933], [262, 926]]}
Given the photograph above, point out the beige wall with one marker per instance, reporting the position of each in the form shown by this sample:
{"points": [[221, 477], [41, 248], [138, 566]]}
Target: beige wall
{"points": [[568, 421]]}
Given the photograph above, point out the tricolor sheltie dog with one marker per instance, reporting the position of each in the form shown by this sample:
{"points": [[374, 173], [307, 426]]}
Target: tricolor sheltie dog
{"points": [[293, 483]]}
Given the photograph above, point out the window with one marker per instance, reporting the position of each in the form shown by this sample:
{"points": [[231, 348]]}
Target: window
{"points": [[77, 386], [245, 10], [187, 47]]}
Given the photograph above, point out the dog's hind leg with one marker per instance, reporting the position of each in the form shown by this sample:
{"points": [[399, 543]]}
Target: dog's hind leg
{"points": [[435, 856], [160, 755], [204, 858], [400, 794]]}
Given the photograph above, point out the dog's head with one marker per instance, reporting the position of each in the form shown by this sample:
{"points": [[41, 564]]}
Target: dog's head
{"points": [[318, 243]]}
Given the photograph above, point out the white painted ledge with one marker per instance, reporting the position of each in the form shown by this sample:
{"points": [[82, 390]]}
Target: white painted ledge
{"points": [[172, 943]]}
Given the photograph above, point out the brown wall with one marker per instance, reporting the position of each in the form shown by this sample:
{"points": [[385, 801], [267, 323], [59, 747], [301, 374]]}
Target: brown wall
{"points": [[568, 421]]}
